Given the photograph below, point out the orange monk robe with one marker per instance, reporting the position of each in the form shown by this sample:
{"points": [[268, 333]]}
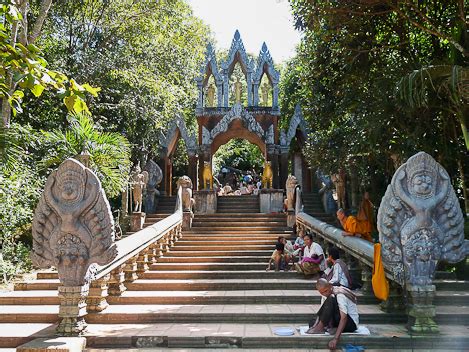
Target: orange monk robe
{"points": [[355, 226], [365, 212]]}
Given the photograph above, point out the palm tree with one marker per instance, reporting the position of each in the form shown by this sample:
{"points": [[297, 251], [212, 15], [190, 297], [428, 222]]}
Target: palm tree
{"points": [[449, 82], [109, 152]]}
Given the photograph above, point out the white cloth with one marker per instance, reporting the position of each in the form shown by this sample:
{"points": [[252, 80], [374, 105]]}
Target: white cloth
{"points": [[315, 249], [361, 330], [338, 276]]}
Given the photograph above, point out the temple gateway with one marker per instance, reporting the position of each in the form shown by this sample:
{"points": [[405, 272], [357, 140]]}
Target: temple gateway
{"points": [[255, 119]]}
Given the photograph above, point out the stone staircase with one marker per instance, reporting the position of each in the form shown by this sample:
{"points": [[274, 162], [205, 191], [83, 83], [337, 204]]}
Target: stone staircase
{"points": [[211, 290], [313, 206], [238, 204]]}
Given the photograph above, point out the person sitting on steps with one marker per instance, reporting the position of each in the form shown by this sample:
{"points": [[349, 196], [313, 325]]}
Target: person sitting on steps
{"points": [[288, 251], [338, 312], [338, 274], [277, 258], [313, 261]]}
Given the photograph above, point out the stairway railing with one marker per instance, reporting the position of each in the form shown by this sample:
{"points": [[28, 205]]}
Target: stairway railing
{"points": [[135, 253]]}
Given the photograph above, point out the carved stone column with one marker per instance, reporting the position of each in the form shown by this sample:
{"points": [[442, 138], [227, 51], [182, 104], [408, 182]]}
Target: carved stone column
{"points": [[366, 278], [354, 267], [422, 310], [192, 167], [72, 310], [219, 95], [275, 96], [130, 270], [283, 167], [96, 301], [142, 262], [255, 90], [116, 281], [152, 253]]}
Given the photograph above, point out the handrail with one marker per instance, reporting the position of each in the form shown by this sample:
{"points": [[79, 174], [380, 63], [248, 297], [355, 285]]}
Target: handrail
{"points": [[131, 246]]}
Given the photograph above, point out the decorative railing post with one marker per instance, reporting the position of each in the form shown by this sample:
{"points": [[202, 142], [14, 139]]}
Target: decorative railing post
{"points": [[420, 223], [96, 301], [116, 281], [72, 230], [130, 269], [366, 278]]}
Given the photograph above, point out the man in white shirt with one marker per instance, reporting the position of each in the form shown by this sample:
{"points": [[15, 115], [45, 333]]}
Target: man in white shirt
{"points": [[338, 310], [338, 274], [313, 260]]}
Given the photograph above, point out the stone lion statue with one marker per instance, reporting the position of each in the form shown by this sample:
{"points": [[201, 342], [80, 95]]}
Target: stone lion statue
{"points": [[186, 184], [267, 175], [291, 184], [207, 175]]}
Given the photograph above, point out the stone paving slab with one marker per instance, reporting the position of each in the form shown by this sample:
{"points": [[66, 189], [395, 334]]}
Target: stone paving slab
{"points": [[144, 335]]}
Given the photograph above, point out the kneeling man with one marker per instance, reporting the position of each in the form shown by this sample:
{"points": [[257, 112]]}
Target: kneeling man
{"points": [[338, 310]]}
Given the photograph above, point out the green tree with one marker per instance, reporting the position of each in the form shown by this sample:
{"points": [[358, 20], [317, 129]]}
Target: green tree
{"points": [[109, 152], [23, 68], [144, 56], [352, 57]]}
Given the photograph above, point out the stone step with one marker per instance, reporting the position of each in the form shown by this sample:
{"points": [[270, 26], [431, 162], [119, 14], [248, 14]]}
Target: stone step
{"points": [[241, 216], [182, 297], [238, 232], [247, 229], [210, 257], [209, 242], [223, 284], [233, 313], [231, 238], [225, 337], [240, 253], [248, 212], [232, 223], [228, 247]]}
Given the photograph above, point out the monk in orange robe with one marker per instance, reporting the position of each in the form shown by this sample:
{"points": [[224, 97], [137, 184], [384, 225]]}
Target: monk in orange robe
{"points": [[354, 226], [365, 211]]}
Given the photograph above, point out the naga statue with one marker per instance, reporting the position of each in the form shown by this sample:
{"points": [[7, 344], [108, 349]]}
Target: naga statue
{"points": [[73, 225], [73, 230], [420, 223]]}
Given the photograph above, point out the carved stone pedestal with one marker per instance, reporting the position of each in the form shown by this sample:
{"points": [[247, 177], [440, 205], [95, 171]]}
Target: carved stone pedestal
{"points": [[72, 310], [187, 219], [205, 202], [271, 200], [291, 218], [421, 309], [137, 220]]}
